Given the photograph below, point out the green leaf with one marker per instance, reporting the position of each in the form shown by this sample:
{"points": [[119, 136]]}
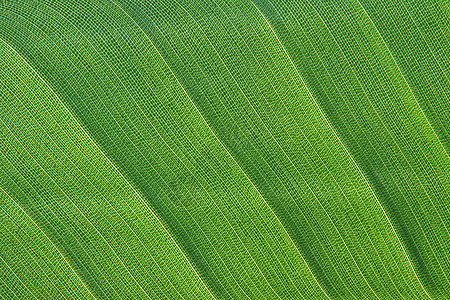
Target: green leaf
{"points": [[220, 149]]}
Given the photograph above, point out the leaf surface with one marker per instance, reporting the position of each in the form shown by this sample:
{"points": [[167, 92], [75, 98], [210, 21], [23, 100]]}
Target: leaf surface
{"points": [[224, 149]]}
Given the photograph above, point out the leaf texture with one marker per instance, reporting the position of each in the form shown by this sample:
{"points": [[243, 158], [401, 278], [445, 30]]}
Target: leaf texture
{"points": [[224, 149]]}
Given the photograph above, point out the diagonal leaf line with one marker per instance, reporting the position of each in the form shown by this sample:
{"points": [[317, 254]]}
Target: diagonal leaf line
{"points": [[430, 50], [15, 275], [284, 154], [201, 115], [28, 252], [300, 130], [74, 204], [381, 206], [351, 157], [415, 99], [375, 195], [396, 144], [332, 177], [84, 216], [84, 175], [263, 200], [22, 190], [289, 114], [275, 140], [429, 47], [403, 77], [321, 112], [190, 172], [46, 236], [244, 173], [440, 217], [125, 222], [363, 176], [235, 81], [166, 183], [269, 207], [141, 221], [378, 202], [109, 161]]}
